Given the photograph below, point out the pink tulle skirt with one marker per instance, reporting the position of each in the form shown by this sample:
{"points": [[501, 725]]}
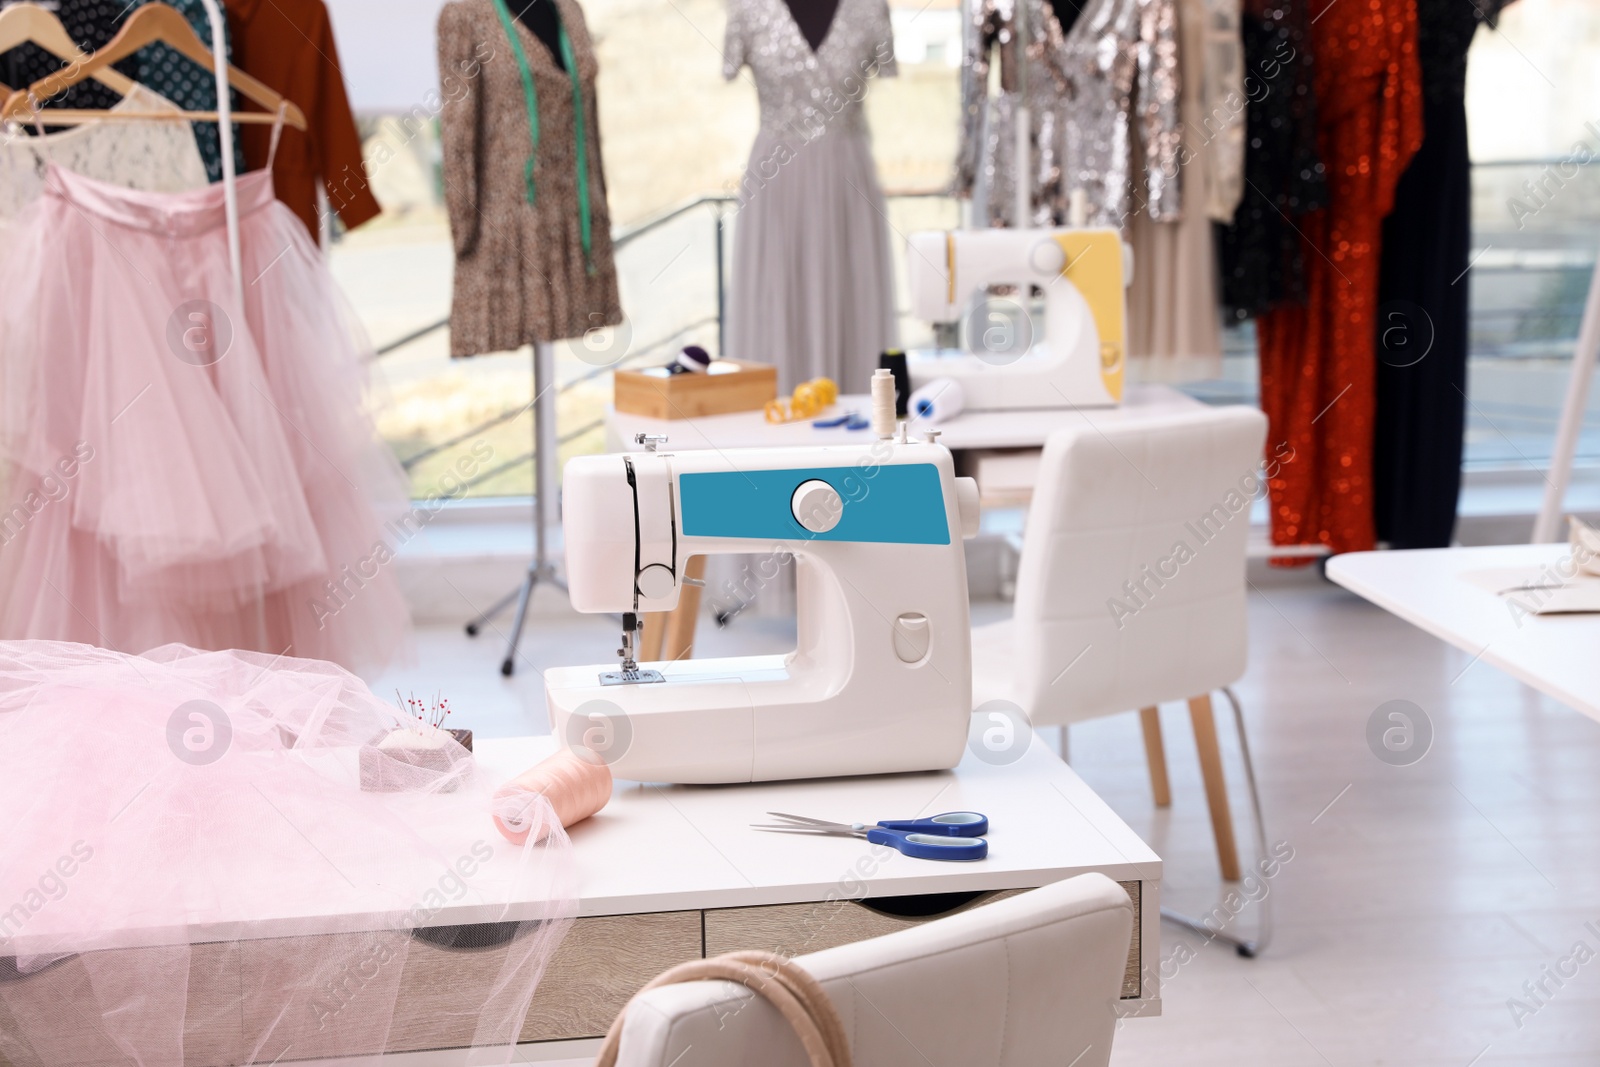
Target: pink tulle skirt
{"points": [[183, 468], [195, 869]]}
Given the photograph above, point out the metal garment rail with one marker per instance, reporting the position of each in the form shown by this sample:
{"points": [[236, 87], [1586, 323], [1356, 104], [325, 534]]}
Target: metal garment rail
{"points": [[719, 204], [512, 413], [621, 240]]}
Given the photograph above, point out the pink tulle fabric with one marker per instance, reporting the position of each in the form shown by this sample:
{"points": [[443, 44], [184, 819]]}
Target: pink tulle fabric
{"points": [[160, 494], [192, 873]]}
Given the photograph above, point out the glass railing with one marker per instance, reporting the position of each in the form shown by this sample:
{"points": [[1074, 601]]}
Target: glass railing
{"points": [[463, 427]]}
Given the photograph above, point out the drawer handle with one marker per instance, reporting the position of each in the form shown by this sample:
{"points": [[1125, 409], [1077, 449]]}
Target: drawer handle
{"points": [[470, 937], [9, 972], [921, 905]]}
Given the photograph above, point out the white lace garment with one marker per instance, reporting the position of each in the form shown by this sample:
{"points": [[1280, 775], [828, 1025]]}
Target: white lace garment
{"points": [[156, 156]]}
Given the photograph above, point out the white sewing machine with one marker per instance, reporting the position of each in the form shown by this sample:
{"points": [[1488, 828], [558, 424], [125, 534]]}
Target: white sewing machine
{"points": [[881, 678], [1075, 360]]}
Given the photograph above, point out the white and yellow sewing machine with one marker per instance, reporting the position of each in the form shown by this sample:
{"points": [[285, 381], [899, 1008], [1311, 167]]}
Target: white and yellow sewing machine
{"points": [[880, 680], [1076, 360]]}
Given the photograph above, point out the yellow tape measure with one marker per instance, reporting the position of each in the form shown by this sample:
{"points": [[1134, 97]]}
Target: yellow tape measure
{"points": [[810, 399]]}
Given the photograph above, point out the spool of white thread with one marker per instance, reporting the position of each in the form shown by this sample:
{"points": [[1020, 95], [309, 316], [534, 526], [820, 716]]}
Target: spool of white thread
{"points": [[937, 401], [883, 416]]}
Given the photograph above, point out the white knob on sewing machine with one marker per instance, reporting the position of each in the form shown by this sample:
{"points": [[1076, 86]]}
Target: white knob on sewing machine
{"points": [[817, 506], [1048, 257], [655, 581]]}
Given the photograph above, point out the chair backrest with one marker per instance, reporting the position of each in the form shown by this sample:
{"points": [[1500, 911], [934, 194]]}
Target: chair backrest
{"points": [[1028, 980], [1131, 586]]}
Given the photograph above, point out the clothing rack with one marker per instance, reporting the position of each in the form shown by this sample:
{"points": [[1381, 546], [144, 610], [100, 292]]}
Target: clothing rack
{"points": [[230, 179]]}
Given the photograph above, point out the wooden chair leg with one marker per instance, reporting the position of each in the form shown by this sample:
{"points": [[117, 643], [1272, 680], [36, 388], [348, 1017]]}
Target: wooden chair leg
{"points": [[1156, 755], [1205, 741], [681, 620]]}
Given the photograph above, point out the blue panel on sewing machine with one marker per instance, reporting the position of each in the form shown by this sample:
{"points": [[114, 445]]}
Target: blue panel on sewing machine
{"points": [[900, 503]]}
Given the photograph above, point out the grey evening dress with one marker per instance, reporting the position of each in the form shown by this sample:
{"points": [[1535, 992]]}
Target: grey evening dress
{"points": [[812, 287]]}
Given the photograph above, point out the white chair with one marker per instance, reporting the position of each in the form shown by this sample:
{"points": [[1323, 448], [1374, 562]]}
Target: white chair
{"points": [[1131, 585], [1030, 980]]}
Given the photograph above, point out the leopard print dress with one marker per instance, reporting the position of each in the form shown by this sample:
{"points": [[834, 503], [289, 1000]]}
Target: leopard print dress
{"points": [[521, 274]]}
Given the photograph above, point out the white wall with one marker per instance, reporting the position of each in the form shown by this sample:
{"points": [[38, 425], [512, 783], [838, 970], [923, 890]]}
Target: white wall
{"points": [[1532, 87], [386, 48]]}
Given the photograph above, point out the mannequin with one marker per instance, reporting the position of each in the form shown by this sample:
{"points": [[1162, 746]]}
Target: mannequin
{"points": [[544, 22], [1067, 12], [815, 19]]}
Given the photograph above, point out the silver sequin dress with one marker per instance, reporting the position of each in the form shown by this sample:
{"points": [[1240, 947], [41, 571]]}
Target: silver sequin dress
{"points": [[1113, 77], [811, 289]]}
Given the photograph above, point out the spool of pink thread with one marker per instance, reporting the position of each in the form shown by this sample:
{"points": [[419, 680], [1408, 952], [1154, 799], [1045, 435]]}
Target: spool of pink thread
{"points": [[576, 785]]}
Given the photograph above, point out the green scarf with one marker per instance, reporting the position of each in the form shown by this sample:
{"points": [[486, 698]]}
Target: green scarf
{"points": [[531, 98]]}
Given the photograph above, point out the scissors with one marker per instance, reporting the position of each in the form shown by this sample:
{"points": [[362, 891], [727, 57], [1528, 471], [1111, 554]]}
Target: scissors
{"points": [[955, 835], [850, 420]]}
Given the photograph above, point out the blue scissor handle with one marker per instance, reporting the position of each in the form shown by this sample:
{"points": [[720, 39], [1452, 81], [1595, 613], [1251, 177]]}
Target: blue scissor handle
{"points": [[834, 420], [950, 824], [928, 846]]}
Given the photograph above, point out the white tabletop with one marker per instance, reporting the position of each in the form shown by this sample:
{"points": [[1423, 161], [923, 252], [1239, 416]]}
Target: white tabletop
{"points": [[1559, 655], [657, 848], [970, 429]]}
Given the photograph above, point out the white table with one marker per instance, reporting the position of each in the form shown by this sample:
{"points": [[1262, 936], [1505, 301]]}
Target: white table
{"points": [[671, 873], [969, 430], [1559, 655]]}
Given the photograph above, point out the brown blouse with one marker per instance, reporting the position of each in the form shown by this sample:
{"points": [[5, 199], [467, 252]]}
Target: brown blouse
{"points": [[288, 44], [520, 273]]}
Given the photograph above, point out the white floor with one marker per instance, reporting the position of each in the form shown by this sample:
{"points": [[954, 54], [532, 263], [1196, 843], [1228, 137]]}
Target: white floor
{"points": [[1419, 899]]}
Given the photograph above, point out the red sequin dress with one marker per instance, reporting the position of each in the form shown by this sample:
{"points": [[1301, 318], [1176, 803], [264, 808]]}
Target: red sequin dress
{"points": [[1317, 360]]}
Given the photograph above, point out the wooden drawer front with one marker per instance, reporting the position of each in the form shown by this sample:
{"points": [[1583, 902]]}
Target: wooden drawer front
{"points": [[603, 962], [234, 1012], [438, 993], [796, 929], [47, 999], [342, 988]]}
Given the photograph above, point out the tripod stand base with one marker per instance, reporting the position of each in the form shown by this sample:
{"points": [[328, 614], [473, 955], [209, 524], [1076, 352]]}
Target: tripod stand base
{"points": [[476, 625], [537, 572]]}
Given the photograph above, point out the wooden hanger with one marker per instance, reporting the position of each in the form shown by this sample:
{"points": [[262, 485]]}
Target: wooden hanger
{"points": [[148, 25], [30, 23]]}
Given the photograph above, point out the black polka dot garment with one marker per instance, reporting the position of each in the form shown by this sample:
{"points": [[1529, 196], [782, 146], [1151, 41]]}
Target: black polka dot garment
{"points": [[93, 23]]}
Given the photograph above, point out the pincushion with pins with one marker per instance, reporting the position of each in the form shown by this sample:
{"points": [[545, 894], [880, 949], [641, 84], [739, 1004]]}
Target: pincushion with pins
{"points": [[420, 757]]}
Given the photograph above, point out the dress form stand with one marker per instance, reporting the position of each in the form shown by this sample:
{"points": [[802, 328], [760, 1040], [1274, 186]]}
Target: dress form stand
{"points": [[545, 447], [544, 21]]}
